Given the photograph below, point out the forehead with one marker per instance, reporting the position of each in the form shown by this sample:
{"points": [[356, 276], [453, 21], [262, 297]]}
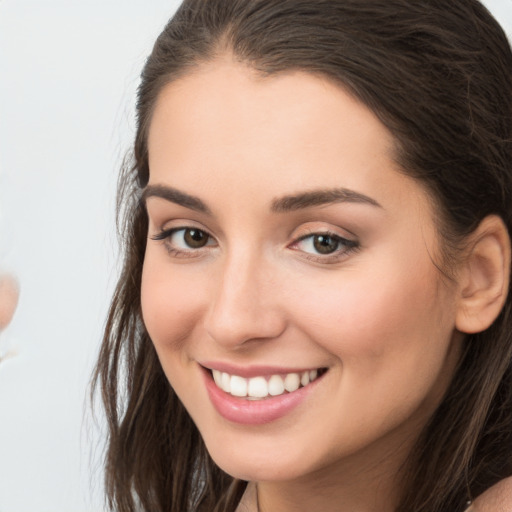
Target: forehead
{"points": [[225, 127], [224, 90]]}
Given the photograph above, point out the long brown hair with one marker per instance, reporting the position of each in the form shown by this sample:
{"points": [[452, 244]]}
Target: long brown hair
{"points": [[438, 74]]}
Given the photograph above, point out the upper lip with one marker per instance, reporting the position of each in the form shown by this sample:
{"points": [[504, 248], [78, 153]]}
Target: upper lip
{"points": [[254, 370]]}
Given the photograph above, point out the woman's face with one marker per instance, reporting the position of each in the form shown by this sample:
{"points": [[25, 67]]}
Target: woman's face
{"points": [[285, 245]]}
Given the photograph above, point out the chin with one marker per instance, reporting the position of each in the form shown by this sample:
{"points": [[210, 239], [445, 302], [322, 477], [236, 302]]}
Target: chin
{"points": [[260, 459], [259, 469]]}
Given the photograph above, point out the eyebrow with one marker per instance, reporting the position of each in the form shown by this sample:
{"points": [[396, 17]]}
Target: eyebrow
{"points": [[312, 198], [174, 196], [283, 204]]}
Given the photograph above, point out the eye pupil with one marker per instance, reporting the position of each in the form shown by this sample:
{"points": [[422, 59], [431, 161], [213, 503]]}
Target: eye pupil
{"points": [[195, 238], [325, 244]]}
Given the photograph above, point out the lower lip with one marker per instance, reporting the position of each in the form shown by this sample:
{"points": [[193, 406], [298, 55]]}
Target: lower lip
{"points": [[254, 412]]}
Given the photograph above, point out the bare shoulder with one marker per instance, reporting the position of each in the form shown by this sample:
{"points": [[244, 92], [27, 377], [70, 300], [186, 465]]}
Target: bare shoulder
{"points": [[496, 499]]}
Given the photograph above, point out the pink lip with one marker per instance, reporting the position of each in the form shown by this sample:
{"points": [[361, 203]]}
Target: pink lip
{"points": [[254, 412]]}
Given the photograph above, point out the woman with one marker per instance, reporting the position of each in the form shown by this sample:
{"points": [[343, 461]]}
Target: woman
{"points": [[314, 296]]}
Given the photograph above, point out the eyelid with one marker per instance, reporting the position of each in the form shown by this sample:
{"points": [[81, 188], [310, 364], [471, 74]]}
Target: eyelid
{"points": [[321, 228], [166, 225]]}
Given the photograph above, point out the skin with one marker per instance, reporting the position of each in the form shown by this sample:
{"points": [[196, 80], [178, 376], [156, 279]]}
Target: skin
{"points": [[496, 499], [8, 299], [380, 317]]}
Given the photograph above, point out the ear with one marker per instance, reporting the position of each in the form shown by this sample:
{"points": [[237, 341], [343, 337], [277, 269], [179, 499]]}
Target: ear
{"points": [[484, 276]]}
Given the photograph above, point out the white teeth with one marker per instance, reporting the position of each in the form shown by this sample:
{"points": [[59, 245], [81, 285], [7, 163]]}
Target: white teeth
{"points": [[292, 382], [217, 377], [257, 388], [238, 386], [275, 385], [226, 382]]}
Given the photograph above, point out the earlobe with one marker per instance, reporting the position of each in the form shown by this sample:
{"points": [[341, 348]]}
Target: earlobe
{"points": [[484, 276]]}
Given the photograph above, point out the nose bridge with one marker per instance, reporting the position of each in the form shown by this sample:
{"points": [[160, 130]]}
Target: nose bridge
{"points": [[242, 306]]}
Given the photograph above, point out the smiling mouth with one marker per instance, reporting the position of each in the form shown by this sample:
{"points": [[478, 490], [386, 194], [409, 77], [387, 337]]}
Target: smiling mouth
{"points": [[260, 388]]}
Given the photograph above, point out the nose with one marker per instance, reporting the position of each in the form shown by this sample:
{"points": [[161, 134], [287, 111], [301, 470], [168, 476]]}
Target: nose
{"points": [[245, 305]]}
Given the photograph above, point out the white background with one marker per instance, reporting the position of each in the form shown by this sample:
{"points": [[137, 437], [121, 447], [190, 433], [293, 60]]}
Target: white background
{"points": [[68, 74]]}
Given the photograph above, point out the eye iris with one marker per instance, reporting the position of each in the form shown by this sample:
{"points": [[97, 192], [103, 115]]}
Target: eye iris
{"points": [[325, 244], [195, 238]]}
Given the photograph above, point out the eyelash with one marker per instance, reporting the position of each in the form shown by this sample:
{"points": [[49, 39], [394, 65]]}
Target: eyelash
{"points": [[348, 246]]}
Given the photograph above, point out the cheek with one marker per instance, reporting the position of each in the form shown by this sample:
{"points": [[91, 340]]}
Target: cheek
{"points": [[391, 338], [170, 303], [386, 328], [384, 303]]}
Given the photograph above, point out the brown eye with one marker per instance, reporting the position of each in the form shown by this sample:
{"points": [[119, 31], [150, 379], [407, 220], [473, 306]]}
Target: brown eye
{"points": [[325, 244], [325, 247], [195, 238], [181, 241]]}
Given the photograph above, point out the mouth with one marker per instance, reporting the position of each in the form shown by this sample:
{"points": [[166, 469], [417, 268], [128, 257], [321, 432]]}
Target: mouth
{"points": [[265, 387], [262, 394]]}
